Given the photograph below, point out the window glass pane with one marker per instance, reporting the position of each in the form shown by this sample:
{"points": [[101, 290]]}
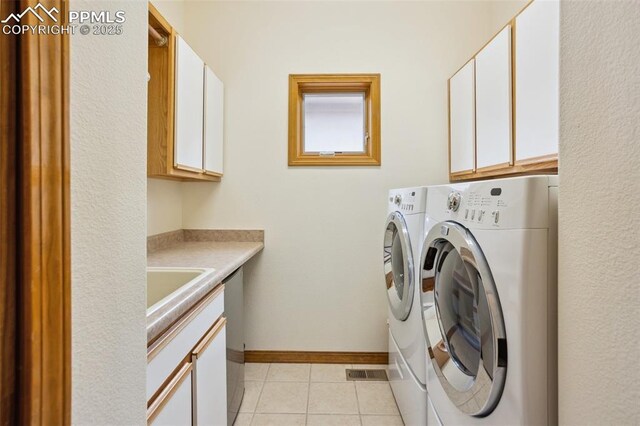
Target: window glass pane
{"points": [[334, 122]]}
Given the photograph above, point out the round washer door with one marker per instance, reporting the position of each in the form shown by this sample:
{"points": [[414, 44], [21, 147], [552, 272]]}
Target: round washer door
{"points": [[398, 266], [463, 319]]}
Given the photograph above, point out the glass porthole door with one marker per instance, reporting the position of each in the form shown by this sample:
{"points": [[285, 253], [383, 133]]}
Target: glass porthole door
{"points": [[463, 320], [398, 266]]}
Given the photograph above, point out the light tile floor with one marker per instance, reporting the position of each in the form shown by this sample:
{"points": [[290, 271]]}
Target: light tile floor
{"points": [[314, 395]]}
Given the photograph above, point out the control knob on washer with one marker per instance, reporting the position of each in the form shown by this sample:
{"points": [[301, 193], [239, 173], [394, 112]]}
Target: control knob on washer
{"points": [[453, 201]]}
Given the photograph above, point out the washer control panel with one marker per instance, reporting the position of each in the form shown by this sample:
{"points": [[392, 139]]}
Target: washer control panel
{"points": [[499, 204], [478, 215]]}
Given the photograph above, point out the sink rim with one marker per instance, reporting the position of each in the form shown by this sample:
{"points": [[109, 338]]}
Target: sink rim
{"points": [[204, 274]]}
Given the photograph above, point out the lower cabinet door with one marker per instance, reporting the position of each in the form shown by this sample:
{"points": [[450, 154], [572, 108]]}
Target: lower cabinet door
{"points": [[174, 404], [210, 379]]}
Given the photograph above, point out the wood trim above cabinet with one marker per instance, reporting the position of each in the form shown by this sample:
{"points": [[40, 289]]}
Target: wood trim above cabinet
{"points": [[314, 357], [167, 392]]}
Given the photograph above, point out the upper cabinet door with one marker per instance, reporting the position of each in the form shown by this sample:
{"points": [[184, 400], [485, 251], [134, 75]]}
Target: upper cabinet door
{"points": [[462, 119], [537, 42], [189, 107], [213, 123], [493, 102]]}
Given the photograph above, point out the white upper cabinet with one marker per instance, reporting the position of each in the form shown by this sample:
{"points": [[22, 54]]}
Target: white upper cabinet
{"points": [[537, 42], [493, 102], [189, 107], [462, 116], [213, 122]]}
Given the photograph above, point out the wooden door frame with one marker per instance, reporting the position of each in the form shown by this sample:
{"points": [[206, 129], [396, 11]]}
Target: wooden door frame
{"points": [[8, 217], [35, 224]]}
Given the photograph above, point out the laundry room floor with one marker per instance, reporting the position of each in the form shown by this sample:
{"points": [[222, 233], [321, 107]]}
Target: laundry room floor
{"points": [[314, 395]]}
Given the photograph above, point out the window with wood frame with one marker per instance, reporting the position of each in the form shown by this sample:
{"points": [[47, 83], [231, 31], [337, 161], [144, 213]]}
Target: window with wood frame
{"points": [[334, 120]]}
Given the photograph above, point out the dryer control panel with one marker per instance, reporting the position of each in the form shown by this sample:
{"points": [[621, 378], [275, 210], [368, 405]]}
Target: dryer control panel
{"points": [[484, 207], [499, 204], [408, 200]]}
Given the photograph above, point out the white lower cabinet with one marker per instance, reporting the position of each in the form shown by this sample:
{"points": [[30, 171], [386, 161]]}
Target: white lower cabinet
{"points": [[186, 370], [169, 351], [210, 378], [173, 406]]}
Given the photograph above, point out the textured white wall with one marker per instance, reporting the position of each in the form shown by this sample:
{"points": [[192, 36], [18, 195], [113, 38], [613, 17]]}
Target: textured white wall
{"points": [[164, 206], [318, 283], [164, 197], [108, 220], [599, 283]]}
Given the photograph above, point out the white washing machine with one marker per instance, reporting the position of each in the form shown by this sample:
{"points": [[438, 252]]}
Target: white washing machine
{"points": [[402, 239], [489, 302]]}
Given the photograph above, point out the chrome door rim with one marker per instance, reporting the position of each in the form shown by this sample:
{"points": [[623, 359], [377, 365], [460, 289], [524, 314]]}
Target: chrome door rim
{"points": [[400, 306], [470, 253]]}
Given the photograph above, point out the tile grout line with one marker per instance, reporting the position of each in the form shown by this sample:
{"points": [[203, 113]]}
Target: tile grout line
{"points": [[306, 417], [255, 410], [355, 388], [357, 401]]}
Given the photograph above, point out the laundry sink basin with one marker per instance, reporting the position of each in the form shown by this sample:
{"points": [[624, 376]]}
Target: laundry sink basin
{"points": [[164, 284]]}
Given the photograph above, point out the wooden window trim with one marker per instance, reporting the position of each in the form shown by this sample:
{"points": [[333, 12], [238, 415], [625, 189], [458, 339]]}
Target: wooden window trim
{"points": [[299, 84]]}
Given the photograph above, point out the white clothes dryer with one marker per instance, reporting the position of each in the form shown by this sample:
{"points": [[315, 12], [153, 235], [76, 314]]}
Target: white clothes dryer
{"points": [[402, 239], [488, 301]]}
